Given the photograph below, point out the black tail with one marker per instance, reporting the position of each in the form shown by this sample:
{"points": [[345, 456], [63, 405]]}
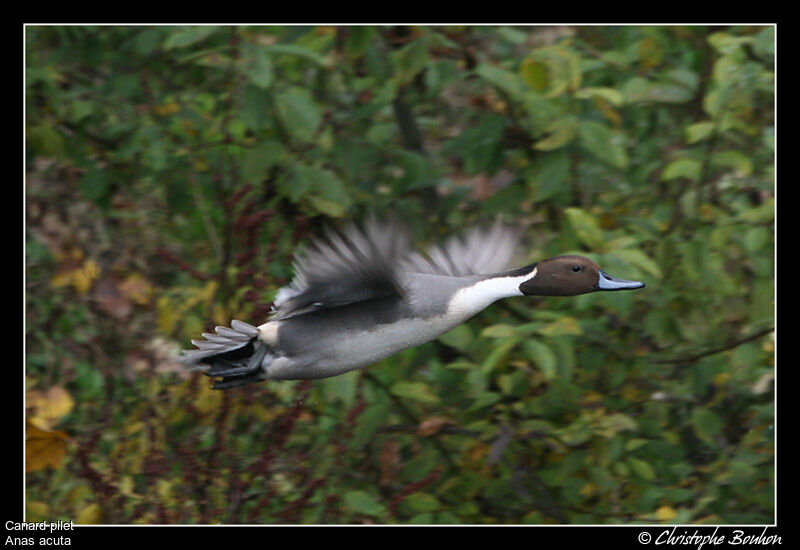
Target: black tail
{"points": [[234, 354]]}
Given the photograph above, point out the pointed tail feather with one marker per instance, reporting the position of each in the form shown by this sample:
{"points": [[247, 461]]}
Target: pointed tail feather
{"points": [[234, 354]]}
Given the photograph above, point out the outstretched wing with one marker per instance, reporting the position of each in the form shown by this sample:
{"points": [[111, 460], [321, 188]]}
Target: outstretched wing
{"points": [[357, 264], [480, 251], [366, 262]]}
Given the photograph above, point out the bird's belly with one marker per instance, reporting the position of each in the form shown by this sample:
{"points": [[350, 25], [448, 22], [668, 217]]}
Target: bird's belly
{"points": [[338, 352]]}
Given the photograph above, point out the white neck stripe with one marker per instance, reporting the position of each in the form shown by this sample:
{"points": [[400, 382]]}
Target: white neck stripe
{"points": [[472, 299]]}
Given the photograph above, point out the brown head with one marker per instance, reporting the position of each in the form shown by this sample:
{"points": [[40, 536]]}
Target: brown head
{"points": [[571, 275]]}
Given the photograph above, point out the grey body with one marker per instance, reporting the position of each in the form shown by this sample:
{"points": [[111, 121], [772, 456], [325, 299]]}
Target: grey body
{"points": [[328, 342], [365, 294]]}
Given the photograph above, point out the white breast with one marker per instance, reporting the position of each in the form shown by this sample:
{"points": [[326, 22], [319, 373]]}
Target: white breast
{"points": [[472, 299]]}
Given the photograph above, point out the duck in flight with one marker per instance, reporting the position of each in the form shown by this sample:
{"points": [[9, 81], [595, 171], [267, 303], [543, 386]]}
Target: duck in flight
{"points": [[365, 293]]}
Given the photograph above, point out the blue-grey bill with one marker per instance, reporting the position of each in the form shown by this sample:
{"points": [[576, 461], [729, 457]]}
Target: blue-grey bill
{"points": [[607, 282]]}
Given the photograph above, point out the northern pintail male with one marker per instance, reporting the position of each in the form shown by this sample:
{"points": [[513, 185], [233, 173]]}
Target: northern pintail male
{"points": [[363, 294]]}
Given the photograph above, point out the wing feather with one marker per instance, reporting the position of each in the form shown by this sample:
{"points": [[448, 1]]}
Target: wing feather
{"points": [[357, 264], [480, 251], [367, 262]]}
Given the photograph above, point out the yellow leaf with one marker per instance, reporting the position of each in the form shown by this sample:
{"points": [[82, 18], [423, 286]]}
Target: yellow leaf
{"points": [[164, 489], [666, 513], [167, 316], [167, 109], [61, 279], [77, 494], [46, 408], [721, 378], [561, 327], [90, 515], [43, 448], [137, 288], [84, 276], [80, 276], [133, 427], [37, 511], [589, 489], [126, 487]]}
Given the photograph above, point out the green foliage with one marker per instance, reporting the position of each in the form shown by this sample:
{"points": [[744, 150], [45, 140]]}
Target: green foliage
{"points": [[172, 172]]}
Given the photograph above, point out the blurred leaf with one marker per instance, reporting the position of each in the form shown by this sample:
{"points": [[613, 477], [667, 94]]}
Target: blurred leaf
{"points": [[484, 400], [641, 90], [90, 515], [609, 94], [358, 39], [43, 448], [706, 424], [421, 502], [499, 354], [699, 131], [617, 422], [682, 168], [666, 513], [329, 208], [736, 160], [296, 50], [181, 37], [764, 42], [459, 337], [36, 511], [432, 425], [258, 161], [322, 188], [641, 468], [410, 60], [561, 132], [606, 144], [45, 140], [651, 53], [368, 423], [552, 175], [137, 288], [586, 227], [80, 275], [563, 326], [534, 74], [499, 331], [298, 111], [639, 259], [258, 66], [481, 146], [755, 238], [544, 358], [110, 298], [362, 502], [47, 408], [414, 390], [95, 186], [505, 80]]}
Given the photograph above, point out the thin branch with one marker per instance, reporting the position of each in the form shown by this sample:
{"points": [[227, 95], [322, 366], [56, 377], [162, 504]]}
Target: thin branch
{"points": [[725, 347]]}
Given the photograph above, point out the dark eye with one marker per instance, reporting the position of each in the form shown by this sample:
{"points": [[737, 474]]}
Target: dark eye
{"points": [[576, 268]]}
